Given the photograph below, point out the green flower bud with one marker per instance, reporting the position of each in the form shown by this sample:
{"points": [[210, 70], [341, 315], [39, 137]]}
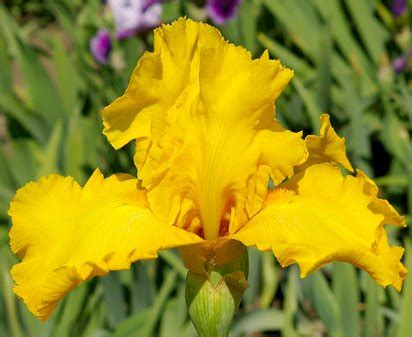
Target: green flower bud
{"points": [[213, 293]]}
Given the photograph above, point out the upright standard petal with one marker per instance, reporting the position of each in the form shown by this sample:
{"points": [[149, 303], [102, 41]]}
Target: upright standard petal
{"points": [[202, 112], [320, 216], [328, 147], [66, 234]]}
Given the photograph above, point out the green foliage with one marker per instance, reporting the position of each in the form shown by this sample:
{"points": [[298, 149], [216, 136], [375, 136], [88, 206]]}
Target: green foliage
{"points": [[51, 92]]}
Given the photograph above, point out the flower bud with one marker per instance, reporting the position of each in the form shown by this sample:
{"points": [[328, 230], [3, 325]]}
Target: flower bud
{"points": [[214, 290]]}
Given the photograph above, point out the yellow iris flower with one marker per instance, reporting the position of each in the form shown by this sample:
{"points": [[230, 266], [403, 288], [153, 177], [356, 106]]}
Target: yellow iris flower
{"points": [[202, 114]]}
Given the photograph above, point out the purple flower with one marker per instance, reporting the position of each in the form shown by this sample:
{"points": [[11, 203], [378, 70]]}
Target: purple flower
{"points": [[221, 11], [100, 46], [400, 63], [399, 7], [133, 16], [148, 3]]}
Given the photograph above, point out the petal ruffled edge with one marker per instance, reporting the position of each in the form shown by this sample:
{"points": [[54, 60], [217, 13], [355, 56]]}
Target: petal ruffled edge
{"points": [[319, 216], [328, 147], [66, 234]]}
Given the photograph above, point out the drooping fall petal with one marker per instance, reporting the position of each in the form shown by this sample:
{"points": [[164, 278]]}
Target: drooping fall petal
{"points": [[66, 234], [202, 112], [320, 216]]}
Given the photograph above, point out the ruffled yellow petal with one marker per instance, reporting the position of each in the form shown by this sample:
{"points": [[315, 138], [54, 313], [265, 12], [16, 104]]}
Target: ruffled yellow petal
{"points": [[327, 147], [66, 234], [202, 112], [320, 216]]}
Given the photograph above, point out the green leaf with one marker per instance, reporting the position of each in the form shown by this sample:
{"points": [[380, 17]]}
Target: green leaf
{"points": [[392, 180], [174, 316], [372, 310], [33, 124], [363, 13], [174, 262], [311, 105], [171, 10], [64, 15], [155, 311], [254, 279], [333, 12], [258, 321], [132, 49], [133, 325], [67, 78], [6, 185], [23, 160], [288, 58], [10, 301], [82, 146], [43, 95], [114, 299], [142, 287], [291, 302], [324, 70], [49, 159], [247, 21], [396, 138], [346, 290], [358, 140], [303, 25], [405, 321], [325, 304], [5, 66], [143, 323], [71, 308], [270, 279]]}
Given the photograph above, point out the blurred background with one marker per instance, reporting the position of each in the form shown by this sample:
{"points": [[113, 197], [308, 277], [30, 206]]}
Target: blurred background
{"points": [[61, 61]]}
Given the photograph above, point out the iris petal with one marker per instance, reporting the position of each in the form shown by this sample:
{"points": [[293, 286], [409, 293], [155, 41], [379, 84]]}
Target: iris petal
{"points": [[66, 234], [320, 216], [327, 147], [202, 112]]}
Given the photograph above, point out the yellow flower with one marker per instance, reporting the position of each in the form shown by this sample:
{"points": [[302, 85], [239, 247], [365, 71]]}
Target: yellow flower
{"points": [[207, 142]]}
